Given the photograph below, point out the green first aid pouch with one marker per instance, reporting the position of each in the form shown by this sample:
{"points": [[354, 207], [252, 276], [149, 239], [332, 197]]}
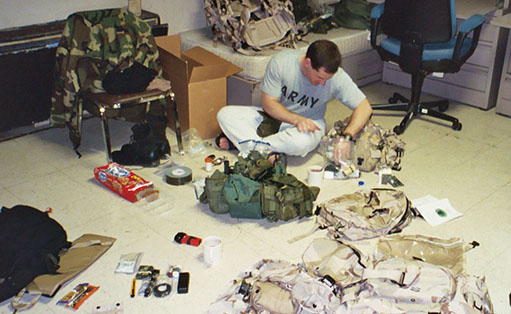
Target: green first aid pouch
{"points": [[243, 197]]}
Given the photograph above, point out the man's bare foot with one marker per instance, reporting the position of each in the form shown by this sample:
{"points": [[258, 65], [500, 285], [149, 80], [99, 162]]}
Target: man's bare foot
{"points": [[223, 143]]}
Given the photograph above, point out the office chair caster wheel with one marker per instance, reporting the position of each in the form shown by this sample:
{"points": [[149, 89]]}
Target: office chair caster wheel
{"points": [[456, 126], [443, 107], [398, 130]]}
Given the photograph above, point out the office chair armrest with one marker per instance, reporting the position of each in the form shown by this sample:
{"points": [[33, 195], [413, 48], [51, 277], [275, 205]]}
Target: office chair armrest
{"points": [[376, 13], [473, 24]]}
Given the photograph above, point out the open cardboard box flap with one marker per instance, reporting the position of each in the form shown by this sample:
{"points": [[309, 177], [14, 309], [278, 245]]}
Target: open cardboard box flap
{"points": [[171, 44], [207, 66], [201, 65]]}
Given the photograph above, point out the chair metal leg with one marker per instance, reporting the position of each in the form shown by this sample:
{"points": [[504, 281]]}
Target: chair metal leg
{"points": [[106, 134], [176, 123]]}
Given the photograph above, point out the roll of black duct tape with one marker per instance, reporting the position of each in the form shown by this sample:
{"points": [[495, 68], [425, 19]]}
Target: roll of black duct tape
{"points": [[162, 290], [178, 175]]}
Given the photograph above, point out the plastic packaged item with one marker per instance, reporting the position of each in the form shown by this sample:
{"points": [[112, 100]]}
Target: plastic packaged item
{"points": [[75, 298], [336, 150], [193, 143], [198, 186], [247, 146], [128, 263], [125, 183]]}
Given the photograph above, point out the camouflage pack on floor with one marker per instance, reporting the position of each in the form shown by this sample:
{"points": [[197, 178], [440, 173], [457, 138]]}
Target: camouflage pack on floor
{"points": [[335, 278], [256, 188], [374, 147]]}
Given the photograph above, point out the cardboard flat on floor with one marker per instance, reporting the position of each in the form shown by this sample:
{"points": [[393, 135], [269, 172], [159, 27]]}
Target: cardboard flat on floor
{"points": [[198, 78]]}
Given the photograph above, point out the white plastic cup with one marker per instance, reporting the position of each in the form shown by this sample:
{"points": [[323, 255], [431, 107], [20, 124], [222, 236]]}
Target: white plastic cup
{"points": [[212, 250], [316, 174]]}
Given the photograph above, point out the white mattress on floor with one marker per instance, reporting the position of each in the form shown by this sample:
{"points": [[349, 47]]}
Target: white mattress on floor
{"points": [[350, 41]]}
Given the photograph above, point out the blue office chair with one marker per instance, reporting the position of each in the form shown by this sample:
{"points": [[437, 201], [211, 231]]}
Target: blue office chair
{"points": [[420, 36]]}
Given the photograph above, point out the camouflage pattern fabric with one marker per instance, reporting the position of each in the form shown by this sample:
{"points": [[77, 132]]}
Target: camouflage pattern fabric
{"points": [[276, 286], [252, 24], [416, 275], [375, 147], [365, 214], [214, 193], [284, 197], [257, 188], [92, 44]]}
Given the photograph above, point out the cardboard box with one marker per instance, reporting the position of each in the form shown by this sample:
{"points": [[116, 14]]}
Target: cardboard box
{"points": [[243, 92], [198, 78]]}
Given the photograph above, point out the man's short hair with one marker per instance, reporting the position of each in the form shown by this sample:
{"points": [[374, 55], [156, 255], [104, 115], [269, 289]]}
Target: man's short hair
{"points": [[324, 54]]}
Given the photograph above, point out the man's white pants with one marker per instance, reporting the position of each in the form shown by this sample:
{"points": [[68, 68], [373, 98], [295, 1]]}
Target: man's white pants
{"points": [[239, 123]]}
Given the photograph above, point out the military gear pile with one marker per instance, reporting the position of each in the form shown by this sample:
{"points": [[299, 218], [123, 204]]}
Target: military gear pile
{"points": [[339, 278], [375, 147], [365, 214], [256, 188], [93, 44], [319, 16], [275, 286], [252, 24]]}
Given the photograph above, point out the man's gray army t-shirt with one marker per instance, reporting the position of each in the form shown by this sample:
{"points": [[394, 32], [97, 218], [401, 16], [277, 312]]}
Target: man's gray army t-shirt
{"points": [[283, 79]]}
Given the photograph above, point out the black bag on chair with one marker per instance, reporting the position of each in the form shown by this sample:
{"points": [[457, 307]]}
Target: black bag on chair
{"points": [[30, 243], [134, 79]]}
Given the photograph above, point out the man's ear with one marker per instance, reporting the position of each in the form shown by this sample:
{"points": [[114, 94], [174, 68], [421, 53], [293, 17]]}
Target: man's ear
{"points": [[307, 62]]}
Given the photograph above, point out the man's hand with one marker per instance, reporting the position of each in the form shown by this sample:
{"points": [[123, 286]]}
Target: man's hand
{"points": [[306, 125], [276, 110]]}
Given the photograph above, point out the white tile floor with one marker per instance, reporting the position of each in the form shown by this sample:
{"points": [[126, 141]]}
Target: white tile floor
{"points": [[471, 168]]}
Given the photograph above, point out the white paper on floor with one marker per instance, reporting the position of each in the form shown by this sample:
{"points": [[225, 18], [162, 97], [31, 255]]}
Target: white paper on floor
{"points": [[435, 211]]}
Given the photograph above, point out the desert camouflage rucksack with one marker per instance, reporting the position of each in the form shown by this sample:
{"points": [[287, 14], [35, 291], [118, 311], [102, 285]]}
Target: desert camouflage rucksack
{"points": [[252, 24], [279, 287], [375, 147], [365, 214], [427, 275]]}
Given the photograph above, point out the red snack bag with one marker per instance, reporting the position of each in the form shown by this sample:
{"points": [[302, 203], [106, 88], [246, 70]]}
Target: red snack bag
{"points": [[124, 182]]}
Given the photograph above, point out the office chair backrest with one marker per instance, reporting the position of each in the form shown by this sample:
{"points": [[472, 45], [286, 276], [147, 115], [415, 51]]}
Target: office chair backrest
{"points": [[426, 21]]}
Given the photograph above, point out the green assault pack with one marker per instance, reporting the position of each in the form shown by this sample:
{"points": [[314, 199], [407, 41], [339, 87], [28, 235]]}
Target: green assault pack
{"points": [[256, 188]]}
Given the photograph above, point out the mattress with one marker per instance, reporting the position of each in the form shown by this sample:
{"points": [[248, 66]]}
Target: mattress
{"points": [[350, 41]]}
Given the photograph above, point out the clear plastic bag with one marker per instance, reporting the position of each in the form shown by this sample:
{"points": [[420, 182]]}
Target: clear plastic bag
{"points": [[338, 152], [193, 143], [249, 145]]}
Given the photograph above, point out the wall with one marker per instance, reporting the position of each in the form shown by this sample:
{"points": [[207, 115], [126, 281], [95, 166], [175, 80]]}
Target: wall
{"points": [[181, 15]]}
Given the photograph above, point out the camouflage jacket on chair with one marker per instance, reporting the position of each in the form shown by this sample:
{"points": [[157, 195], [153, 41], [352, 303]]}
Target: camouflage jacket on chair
{"points": [[92, 44]]}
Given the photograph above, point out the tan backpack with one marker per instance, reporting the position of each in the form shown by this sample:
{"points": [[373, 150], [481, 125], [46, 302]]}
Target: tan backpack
{"points": [[279, 287], [252, 24], [375, 147], [405, 274], [365, 214]]}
